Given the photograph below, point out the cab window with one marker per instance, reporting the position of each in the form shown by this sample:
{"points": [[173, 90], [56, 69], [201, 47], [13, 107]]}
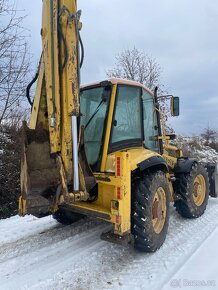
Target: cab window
{"points": [[150, 122], [127, 127]]}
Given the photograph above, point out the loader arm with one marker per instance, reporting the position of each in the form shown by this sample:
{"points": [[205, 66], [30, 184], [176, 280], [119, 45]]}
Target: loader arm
{"points": [[50, 156]]}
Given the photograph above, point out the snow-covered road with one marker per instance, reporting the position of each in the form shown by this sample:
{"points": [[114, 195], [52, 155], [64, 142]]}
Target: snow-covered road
{"points": [[42, 254]]}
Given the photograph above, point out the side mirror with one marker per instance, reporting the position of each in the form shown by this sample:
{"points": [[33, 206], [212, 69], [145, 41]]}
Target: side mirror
{"points": [[175, 106]]}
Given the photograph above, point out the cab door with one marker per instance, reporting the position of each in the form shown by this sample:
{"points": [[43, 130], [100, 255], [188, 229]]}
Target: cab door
{"points": [[150, 125], [127, 127]]}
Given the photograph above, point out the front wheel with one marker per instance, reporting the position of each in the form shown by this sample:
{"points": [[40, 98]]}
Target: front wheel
{"points": [[150, 211]]}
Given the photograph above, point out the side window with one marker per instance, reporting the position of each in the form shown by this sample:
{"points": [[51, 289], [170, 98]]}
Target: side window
{"points": [[127, 118], [150, 122]]}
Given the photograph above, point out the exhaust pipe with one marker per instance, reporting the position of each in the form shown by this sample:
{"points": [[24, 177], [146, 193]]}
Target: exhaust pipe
{"points": [[75, 155]]}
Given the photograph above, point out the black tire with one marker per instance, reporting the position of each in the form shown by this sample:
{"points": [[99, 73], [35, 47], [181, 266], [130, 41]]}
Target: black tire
{"points": [[143, 194], [66, 217], [184, 187]]}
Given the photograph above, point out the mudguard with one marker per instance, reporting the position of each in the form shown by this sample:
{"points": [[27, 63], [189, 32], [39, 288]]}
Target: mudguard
{"points": [[155, 161], [184, 165]]}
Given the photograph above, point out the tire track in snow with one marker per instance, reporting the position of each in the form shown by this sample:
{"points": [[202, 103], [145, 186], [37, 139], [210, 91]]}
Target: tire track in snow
{"points": [[21, 270], [123, 268], [83, 261], [55, 234]]}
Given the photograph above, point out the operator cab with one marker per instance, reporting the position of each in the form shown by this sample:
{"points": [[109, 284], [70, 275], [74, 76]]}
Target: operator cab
{"points": [[118, 114], [132, 118]]}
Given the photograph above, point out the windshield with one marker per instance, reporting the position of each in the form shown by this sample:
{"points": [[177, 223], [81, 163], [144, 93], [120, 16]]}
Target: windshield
{"points": [[93, 106]]}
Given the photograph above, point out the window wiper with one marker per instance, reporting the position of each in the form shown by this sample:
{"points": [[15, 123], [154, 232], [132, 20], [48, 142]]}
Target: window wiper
{"points": [[93, 115]]}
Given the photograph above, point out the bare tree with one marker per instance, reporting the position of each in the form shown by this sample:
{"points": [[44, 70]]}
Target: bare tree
{"points": [[14, 60], [133, 64], [209, 135]]}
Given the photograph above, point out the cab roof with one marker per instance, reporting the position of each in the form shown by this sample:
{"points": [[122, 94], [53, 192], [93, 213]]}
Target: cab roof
{"points": [[119, 81]]}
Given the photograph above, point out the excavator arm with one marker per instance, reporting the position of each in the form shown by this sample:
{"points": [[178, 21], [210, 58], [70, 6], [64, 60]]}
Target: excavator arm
{"points": [[50, 163]]}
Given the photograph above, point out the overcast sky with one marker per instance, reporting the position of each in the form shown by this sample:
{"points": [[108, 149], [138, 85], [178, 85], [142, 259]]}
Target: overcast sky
{"points": [[181, 34]]}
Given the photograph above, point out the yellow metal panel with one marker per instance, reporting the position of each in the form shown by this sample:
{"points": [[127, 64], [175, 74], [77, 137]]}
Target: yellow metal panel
{"points": [[108, 129], [105, 195], [94, 209], [22, 206], [42, 113], [35, 109], [114, 195], [50, 57], [171, 161], [123, 193], [172, 150], [69, 80], [62, 85], [71, 72], [137, 156]]}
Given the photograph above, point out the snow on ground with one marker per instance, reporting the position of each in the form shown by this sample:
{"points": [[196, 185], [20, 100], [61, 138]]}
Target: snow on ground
{"points": [[204, 263], [42, 254]]}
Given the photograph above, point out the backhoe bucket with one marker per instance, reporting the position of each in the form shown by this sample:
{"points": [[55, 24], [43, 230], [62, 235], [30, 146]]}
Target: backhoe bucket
{"points": [[39, 173]]}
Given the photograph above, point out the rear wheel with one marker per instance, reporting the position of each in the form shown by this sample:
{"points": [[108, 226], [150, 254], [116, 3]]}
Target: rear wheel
{"points": [[150, 211], [67, 217], [192, 192]]}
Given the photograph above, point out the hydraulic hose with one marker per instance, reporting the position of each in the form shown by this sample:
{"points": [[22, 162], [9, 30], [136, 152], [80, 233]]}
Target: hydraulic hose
{"points": [[29, 87], [82, 51], [66, 54]]}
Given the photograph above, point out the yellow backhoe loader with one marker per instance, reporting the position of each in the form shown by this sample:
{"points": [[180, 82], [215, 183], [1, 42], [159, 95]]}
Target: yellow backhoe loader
{"points": [[101, 149]]}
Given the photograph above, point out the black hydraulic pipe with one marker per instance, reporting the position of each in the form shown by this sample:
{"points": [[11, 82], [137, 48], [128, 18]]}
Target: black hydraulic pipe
{"points": [[29, 87]]}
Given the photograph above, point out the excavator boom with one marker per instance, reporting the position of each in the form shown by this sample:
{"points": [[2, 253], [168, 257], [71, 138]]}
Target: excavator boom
{"points": [[50, 155]]}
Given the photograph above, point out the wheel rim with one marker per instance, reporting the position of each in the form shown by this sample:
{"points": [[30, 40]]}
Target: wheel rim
{"points": [[159, 210], [199, 190]]}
